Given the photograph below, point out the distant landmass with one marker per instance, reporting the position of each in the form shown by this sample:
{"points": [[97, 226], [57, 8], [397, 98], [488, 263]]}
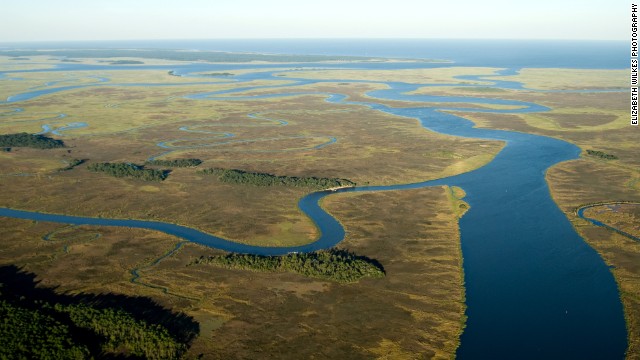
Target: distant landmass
{"points": [[165, 54]]}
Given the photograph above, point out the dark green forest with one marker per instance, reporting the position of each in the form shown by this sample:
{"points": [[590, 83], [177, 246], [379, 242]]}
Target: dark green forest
{"points": [[129, 170], [333, 264], [38, 323], [175, 162], [601, 155], [29, 140], [235, 176]]}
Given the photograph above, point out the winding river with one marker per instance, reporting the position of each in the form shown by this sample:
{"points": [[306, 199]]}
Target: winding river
{"points": [[534, 289]]}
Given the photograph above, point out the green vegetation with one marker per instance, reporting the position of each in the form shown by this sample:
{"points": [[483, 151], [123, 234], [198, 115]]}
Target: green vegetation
{"points": [[175, 162], [29, 333], [601, 155], [334, 264], [235, 176], [121, 330], [79, 332], [129, 170], [39, 324], [29, 140]]}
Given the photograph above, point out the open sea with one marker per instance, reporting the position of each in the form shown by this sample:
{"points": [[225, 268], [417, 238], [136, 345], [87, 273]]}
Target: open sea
{"points": [[495, 53]]}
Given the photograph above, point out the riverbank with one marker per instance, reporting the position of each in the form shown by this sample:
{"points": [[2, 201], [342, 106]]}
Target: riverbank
{"points": [[597, 182]]}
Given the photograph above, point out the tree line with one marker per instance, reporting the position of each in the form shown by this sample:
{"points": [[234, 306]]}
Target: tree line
{"points": [[175, 162], [235, 176], [333, 264], [601, 155], [72, 163], [129, 170], [29, 140]]}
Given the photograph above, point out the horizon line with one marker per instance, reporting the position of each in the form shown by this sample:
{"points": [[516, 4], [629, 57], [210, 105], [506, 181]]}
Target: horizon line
{"points": [[309, 38]]}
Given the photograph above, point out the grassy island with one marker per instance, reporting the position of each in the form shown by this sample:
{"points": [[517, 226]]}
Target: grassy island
{"points": [[235, 176], [129, 170], [334, 264], [29, 140]]}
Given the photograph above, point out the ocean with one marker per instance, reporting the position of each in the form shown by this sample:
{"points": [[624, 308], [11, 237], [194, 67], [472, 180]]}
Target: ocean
{"points": [[494, 53]]}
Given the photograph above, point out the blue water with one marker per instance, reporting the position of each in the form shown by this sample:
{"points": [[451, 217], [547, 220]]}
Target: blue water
{"points": [[534, 289], [332, 232], [495, 53]]}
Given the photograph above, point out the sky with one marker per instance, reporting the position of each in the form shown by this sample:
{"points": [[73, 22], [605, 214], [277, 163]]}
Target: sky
{"points": [[61, 20]]}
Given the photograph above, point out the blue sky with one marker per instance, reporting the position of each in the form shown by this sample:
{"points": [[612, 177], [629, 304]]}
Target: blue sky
{"points": [[43, 20]]}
